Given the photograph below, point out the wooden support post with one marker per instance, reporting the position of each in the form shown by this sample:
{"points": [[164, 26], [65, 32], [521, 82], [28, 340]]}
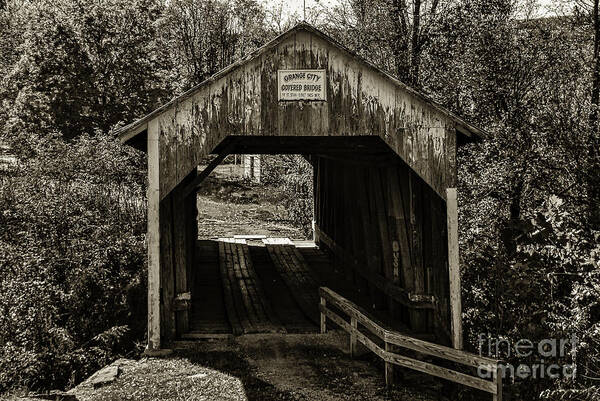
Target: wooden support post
{"points": [[180, 256], [389, 368], [419, 318], [167, 271], [316, 196], [191, 231], [354, 324], [153, 238], [498, 380], [323, 317], [454, 268]]}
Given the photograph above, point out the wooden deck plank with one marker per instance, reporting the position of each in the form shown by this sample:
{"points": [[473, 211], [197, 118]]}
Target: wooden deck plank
{"points": [[249, 301], [241, 283], [232, 315], [208, 313], [236, 290], [277, 241], [308, 280], [272, 322], [248, 282], [298, 278]]}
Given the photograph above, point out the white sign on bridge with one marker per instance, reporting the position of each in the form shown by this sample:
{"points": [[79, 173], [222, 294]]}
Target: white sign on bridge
{"points": [[301, 85]]}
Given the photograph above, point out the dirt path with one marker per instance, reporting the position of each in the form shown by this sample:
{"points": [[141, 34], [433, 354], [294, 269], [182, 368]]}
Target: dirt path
{"points": [[318, 367], [261, 367], [225, 219], [229, 206]]}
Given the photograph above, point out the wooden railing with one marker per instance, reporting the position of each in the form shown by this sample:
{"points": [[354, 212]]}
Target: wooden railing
{"points": [[409, 299], [393, 339]]}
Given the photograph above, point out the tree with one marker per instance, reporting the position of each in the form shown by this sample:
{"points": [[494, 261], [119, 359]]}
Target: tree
{"points": [[594, 154], [395, 30], [412, 27], [206, 36], [51, 83], [130, 63], [84, 66]]}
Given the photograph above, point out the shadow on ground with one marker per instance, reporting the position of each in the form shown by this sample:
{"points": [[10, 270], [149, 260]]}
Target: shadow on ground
{"points": [[307, 367], [232, 364]]}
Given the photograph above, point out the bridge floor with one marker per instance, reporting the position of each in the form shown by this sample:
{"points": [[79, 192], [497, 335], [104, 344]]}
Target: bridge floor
{"points": [[264, 285]]}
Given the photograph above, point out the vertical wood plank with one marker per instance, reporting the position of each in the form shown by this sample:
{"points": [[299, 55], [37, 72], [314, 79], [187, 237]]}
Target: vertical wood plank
{"points": [[416, 221], [406, 234], [334, 209], [389, 368], [153, 237], [316, 196], [348, 222], [357, 231], [368, 232], [451, 174], [379, 206], [180, 254], [354, 325], [427, 239], [454, 268], [381, 215], [376, 254], [438, 274], [191, 221], [398, 214], [498, 380], [323, 317], [167, 270]]}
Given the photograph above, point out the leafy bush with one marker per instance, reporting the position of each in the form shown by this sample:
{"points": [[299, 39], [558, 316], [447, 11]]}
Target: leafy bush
{"points": [[72, 261], [295, 175], [531, 277]]}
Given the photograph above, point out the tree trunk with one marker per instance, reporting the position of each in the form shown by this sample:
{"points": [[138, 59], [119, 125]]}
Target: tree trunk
{"points": [[398, 16], [415, 56], [510, 231], [596, 67], [593, 180]]}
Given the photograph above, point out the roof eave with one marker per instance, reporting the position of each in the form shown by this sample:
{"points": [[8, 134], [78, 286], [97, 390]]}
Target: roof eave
{"points": [[128, 132]]}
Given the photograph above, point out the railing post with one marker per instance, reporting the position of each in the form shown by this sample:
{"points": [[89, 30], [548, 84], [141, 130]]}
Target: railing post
{"points": [[498, 381], [354, 325], [389, 368], [323, 317]]}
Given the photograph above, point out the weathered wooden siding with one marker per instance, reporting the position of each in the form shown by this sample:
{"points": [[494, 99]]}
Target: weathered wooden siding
{"points": [[397, 239], [178, 235], [361, 101], [394, 246], [252, 167]]}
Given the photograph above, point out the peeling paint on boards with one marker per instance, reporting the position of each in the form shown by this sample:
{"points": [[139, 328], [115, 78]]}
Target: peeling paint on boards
{"points": [[360, 101]]}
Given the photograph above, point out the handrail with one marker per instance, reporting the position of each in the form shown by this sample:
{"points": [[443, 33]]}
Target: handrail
{"points": [[391, 338], [406, 298]]}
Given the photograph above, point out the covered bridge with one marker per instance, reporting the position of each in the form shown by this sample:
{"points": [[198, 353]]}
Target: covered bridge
{"points": [[384, 159]]}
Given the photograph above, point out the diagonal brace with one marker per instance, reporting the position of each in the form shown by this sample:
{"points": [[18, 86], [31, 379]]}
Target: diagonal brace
{"points": [[194, 186]]}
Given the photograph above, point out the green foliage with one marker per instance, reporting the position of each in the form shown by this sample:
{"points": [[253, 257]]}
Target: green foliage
{"points": [[72, 216], [529, 252], [295, 175], [72, 260], [72, 257], [82, 66], [207, 36]]}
